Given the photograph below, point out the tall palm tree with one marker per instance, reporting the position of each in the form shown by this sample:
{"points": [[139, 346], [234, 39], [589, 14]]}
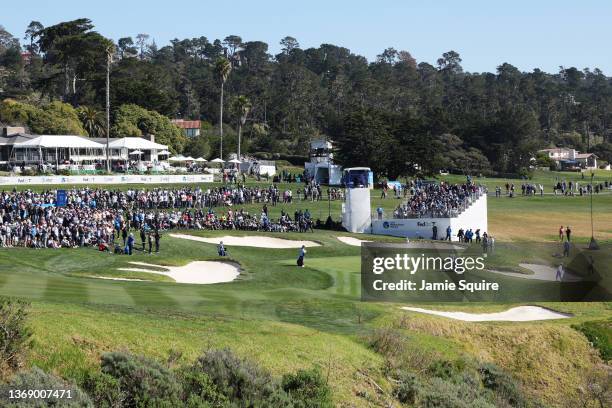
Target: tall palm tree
{"points": [[241, 106], [222, 69], [92, 120], [110, 50]]}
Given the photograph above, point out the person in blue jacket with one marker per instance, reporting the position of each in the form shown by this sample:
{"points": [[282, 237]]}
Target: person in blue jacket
{"points": [[130, 244]]}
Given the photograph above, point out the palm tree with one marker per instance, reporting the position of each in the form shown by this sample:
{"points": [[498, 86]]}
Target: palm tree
{"points": [[92, 120], [241, 106], [222, 69]]}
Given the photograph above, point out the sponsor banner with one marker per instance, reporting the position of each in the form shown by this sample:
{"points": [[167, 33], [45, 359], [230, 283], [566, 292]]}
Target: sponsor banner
{"points": [[61, 198], [484, 272], [110, 179]]}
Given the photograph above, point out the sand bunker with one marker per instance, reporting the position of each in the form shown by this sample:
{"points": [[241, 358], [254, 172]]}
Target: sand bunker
{"points": [[541, 272], [250, 241], [199, 272], [515, 314], [351, 241]]}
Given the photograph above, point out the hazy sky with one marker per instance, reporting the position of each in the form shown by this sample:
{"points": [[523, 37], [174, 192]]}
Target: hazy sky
{"points": [[527, 34]]}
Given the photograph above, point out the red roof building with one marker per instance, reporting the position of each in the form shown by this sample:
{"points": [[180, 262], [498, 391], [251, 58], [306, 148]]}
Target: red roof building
{"points": [[190, 127]]}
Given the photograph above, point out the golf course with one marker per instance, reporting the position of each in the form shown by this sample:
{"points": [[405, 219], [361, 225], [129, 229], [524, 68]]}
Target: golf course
{"points": [[85, 302]]}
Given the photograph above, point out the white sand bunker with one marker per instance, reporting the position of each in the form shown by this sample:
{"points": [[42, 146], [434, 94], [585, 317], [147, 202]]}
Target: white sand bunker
{"points": [[250, 241], [515, 314], [351, 241], [200, 272]]}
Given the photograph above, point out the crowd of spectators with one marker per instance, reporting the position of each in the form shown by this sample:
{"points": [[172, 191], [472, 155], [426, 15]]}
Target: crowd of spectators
{"points": [[108, 218], [430, 200]]}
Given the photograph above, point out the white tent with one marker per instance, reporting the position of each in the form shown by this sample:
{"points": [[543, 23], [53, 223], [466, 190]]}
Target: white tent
{"points": [[60, 141], [53, 148], [217, 160], [178, 158], [236, 161], [188, 158], [164, 152], [136, 143], [201, 160]]}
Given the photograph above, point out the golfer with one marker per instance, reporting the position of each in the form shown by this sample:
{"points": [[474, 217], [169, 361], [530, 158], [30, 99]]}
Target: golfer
{"points": [[559, 275], [302, 254], [221, 249]]}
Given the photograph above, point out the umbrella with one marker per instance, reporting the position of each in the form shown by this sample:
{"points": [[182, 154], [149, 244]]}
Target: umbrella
{"points": [[135, 152], [235, 161], [201, 159], [177, 158], [164, 152], [217, 160], [188, 158]]}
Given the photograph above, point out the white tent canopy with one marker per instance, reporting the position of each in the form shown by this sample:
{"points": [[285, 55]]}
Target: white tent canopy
{"points": [[201, 159], [236, 161], [136, 143], [60, 141], [217, 160]]}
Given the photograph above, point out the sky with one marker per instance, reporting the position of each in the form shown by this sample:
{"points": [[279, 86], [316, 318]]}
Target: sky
{"points": [[531, 34]]}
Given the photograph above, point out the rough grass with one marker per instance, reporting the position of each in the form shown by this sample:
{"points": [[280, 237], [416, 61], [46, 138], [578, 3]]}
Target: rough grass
{"points": [[70, 340], [550, 359]]}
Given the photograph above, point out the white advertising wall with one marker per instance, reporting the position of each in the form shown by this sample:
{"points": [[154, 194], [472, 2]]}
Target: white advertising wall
{"points": [[474, 217], [113, 179], [356, 212]]}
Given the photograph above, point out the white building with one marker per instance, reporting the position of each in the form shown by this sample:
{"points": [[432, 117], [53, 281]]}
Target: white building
{"points": [[566, 157], [321, 166]]}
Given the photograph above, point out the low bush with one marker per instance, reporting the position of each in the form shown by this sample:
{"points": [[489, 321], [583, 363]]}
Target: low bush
{"points": [[15, 336], [505, 387], [407, 388], [599, 333], [36, 379], [199, 390], [238, 380], [440, 393], [307, 388], [143, 381], [104, 390]]}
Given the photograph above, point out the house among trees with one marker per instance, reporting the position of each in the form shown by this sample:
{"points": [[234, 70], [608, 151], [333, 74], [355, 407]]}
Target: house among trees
{"points": [[191, 128], [566, 158]]}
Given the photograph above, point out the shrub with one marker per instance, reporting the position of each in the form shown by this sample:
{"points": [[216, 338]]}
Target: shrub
{"points": [[599, 333], [443, 369], [104, 390], [240, 381], [407, 388], [199, 390], [143, 381], [15, 336], [502, 384], [306, 388], [36, 379], [442, 393]]}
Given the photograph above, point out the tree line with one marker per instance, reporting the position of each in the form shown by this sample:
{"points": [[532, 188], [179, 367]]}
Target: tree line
{"points": [[395, 114]]}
